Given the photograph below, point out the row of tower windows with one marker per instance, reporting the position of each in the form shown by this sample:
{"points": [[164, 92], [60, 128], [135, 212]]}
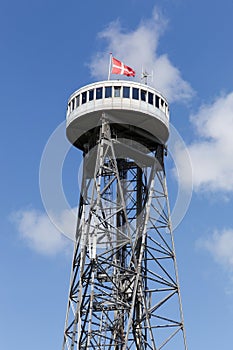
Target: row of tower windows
{"points": [[117, 91]]}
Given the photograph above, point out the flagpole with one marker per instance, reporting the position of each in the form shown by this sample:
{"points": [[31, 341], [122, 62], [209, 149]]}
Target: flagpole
{"points": [[109, 66]]}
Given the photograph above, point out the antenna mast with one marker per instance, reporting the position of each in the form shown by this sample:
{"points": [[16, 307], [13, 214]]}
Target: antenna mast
{"points": [[145, 76]]}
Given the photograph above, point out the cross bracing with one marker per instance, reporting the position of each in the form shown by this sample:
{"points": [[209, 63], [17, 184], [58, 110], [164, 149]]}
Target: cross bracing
{"points": [[124, 292]]}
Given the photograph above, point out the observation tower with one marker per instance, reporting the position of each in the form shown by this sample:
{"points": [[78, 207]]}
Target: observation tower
{"points": [[124, 291]]}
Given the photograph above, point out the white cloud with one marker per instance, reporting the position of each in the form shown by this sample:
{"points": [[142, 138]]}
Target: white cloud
{"points": [[40, 234], [139, 48], [211, 153], [220, 245]]}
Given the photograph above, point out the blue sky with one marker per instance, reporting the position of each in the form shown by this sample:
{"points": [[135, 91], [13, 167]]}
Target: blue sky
{"points": [[48, 50]]}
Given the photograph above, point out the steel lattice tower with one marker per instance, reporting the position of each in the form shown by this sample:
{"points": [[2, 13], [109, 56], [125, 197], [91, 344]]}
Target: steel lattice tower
{"points": [[124, 292]]}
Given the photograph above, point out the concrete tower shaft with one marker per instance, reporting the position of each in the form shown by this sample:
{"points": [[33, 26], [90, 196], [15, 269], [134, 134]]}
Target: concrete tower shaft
{"points": [[124, 291]]}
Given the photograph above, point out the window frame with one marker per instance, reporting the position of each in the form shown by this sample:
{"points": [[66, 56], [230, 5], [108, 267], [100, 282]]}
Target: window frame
{"points": [[91, 95], [117, 91], [84, 97], [99, 93], [151, 98], [143, 94], [126, 88], [108, 92], [135, 90], [157, 101]]}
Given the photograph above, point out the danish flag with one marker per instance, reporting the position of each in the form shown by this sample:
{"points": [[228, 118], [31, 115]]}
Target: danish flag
{"points": [[119, 67]]}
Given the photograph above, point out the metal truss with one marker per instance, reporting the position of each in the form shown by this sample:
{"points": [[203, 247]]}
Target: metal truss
{"points": [[124, 291]]}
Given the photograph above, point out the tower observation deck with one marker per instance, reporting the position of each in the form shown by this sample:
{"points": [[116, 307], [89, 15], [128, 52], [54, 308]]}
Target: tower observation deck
{"points": [[124, 291]]}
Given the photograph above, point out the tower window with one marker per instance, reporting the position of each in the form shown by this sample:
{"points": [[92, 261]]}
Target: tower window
{"points": [[126, 91], [108, 91], [117, 91], [99, 93], [84, 97], [135, 94], [150, 98], [143, 95], [157, 101], [91, 95], [77, 101]]}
